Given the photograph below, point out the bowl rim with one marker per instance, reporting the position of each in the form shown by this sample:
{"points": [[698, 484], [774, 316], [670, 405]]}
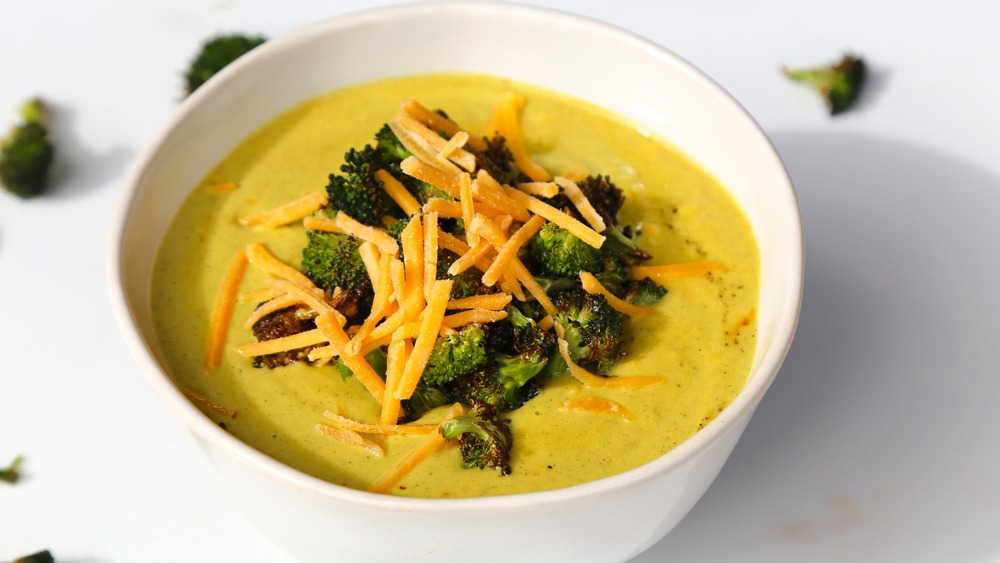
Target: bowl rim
{"points": [[740, 407]]}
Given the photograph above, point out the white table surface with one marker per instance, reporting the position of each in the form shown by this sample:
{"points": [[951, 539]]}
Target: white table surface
{"points": [[879, 441]]}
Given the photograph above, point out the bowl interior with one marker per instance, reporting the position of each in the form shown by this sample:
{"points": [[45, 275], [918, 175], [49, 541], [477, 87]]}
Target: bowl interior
{"points": [[607, 67]]}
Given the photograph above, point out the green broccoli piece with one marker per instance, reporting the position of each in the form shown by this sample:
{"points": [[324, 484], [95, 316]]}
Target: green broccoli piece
{"points": [[10, 474], [215, 54], [391, 146], [456, 355], [506, 384], [838, 83], [40, 557], [594, 329], [357, 192], [555, 252], [484, 439], [332, 260], [644, 292], [27, 152]]}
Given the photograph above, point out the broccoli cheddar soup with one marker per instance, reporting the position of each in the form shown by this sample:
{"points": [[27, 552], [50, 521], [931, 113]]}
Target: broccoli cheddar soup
{"points": [[455, 285]]}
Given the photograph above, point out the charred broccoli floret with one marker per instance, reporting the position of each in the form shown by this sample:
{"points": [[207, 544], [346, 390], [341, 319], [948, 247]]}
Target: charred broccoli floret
{"points": [[484, 439], [357, 192], [27, 152], [216, 54], [839, 83], [497, 159], [606, 198], [455, 355], [285, 322], [332, 260], [593, 329], [644, 292]]}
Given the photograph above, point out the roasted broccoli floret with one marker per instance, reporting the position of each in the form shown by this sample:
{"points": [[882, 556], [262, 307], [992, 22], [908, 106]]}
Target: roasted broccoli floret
{"points": [[644, 292], [215, 54], [505, 385], [455, 355], [26, 153], [593, 329], [357, 192], [557, 253], [40, 557], [484, 439], [464, 284], [839, 83], [285, 322], [10, 474], [497, 159], [606, 198], [332, 260]]}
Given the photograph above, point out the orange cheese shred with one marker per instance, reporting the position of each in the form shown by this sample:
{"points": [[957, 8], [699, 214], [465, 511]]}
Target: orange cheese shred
{"points": [[351, 438], [287, 213], [222, 312], [669, 272], [398, 192], [430, 325], [591, 380], [597, 405], [593, 286], [506, 122], [438, 122], [380, 429], [404, 466]]}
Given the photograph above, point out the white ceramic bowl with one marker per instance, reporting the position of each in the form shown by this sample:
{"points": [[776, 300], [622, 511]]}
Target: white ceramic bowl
{"points": [[611, 519]]}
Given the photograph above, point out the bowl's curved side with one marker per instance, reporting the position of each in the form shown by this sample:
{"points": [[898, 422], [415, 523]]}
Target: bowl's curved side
{"points": [[642, 82]]}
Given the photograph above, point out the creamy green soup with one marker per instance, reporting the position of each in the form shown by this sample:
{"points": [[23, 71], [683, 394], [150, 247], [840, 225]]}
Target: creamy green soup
{"points": [[701, 341]]}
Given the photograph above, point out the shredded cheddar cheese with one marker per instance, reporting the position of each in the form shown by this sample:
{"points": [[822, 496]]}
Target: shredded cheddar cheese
{"points": [[669, 272], [287, 213], [222, 312], [428, 446], [593, 286]]}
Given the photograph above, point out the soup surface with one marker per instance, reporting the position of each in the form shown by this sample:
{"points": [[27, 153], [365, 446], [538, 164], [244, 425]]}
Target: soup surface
{"points": [[701, 341]]}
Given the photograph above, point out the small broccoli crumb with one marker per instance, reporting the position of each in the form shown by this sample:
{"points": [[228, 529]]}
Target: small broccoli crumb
{"points": [[216, 54], [839, 83], [10, 474], [26, 153], [41, 557]]}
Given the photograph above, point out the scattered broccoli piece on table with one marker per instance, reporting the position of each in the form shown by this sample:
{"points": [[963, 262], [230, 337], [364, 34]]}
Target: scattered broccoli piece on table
{"points": [[216, 54], [839, 83], [40, 557], [27, 152], [10, 474], [484, 439]]}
